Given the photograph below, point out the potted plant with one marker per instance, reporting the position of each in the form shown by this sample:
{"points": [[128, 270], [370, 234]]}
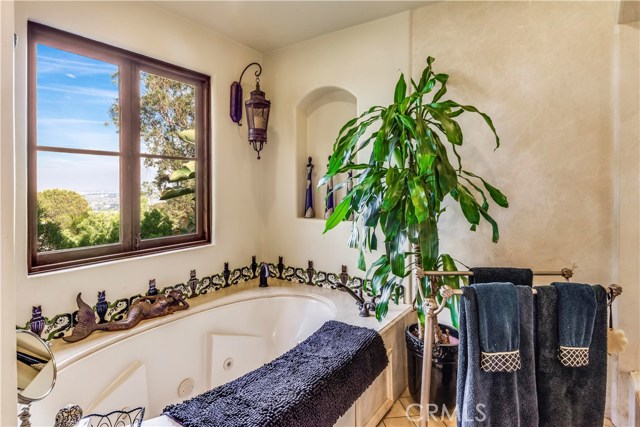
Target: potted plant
{"points": [[398, 194]]}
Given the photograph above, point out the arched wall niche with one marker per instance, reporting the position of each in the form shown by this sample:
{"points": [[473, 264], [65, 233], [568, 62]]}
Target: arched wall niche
{"points": [[319, 117]]}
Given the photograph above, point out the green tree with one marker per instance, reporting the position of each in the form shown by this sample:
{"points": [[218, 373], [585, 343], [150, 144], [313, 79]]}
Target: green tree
{"points": [[65, 221], [63, 207], [155, 223], [50, 235], [167, 122], [98, 228]]}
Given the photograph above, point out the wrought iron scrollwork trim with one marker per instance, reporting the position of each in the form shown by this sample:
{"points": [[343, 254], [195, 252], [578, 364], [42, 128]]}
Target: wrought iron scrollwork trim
{"points": [[57, 326]]}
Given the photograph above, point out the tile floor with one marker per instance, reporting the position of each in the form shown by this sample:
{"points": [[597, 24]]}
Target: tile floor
{"points": [[397, 415]]}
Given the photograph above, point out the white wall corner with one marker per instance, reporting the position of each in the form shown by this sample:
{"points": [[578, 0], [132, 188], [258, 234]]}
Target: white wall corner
{"points": [[8, 396]]}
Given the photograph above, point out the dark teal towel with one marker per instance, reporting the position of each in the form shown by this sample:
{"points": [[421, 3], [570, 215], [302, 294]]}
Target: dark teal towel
{"points": [[499, 326], [576, 316], [517, 276], [495, 399], [569, 397]]}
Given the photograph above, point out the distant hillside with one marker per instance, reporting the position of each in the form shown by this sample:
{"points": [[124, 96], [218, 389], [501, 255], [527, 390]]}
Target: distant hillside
{"points": [[103, 201]]}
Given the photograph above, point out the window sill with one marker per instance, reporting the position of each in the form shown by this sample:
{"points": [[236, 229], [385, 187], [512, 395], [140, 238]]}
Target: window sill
{"points": [[109, 260]]}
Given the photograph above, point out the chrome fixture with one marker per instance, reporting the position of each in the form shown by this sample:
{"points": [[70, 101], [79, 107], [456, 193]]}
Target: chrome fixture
{"points": [[364, 306]]}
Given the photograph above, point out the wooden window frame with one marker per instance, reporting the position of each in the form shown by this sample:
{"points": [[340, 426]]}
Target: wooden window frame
{"points": [[130, 64]]}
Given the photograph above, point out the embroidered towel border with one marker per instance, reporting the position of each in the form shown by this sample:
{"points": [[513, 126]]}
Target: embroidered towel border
{"points": [[574, 357], [508, 361]]}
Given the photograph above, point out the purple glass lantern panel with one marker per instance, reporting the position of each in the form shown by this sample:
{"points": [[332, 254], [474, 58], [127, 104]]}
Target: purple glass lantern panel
{"points": [[235, 110], [257, 115]]}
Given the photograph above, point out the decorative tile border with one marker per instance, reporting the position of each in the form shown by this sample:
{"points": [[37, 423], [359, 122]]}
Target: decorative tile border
{"points": [[56, 326]]}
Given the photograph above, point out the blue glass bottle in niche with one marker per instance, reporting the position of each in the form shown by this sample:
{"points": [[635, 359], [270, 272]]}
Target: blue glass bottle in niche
{"points": [[308, 201], [330, 204], [102, 306], [349, 190]]}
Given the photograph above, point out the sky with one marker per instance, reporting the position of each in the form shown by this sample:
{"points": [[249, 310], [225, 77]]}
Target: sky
{"points": [[74, 94]]}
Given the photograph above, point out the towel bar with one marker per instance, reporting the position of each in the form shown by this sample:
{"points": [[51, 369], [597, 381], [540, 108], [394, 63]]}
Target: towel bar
{"points": [[432, 309], [567, 273]]}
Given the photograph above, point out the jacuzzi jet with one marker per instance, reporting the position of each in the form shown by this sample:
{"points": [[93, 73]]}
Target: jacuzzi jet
{"points": [[227, 364], [185, 388]]}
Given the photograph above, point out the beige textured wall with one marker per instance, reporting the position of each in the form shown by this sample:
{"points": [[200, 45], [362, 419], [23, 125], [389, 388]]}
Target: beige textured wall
{"points": [[628, 135], [627, 193], [542, 70], [366, 61]]}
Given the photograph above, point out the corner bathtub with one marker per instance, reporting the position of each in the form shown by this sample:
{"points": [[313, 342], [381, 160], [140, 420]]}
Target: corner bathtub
{"points": [[162, 361]]}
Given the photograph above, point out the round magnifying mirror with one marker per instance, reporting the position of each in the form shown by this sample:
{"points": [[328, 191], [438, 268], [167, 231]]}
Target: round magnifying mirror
{"points": [[36, 367]]}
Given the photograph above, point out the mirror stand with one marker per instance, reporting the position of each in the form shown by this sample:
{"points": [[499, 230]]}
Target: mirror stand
{"points": [[36, 372], [25, 415]]}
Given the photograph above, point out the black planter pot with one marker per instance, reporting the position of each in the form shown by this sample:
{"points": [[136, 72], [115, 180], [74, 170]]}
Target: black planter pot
{"points": [[444, 369]]}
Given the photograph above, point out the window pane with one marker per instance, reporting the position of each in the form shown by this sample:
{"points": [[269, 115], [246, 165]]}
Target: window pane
{"points": [[167, 116], [77, 101], [167, 198], [78, 201]]}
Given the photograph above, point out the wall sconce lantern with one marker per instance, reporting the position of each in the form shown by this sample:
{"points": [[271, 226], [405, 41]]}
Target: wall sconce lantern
{"points": [[257, 110]]}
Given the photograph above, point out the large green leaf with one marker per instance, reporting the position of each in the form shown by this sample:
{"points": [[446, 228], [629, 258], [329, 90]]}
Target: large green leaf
{"points": [[429, 243], [362, 265], [373, 244], [354, 237], [425, 146], [447, 177], [401, 90], [172, 193], [442, 78], [448, 264], [393, 221], [381, 146], [473, 109], [485, 202], [395, 184], [339, 213], [188, 136], [470, 207], [496, 195], [494, 226], [409, 123], [187, 171], [382, 306], [372, 213], [425, 77], [343, 149], [380, 275], [450, 127], [396, 249], [419, 199]]}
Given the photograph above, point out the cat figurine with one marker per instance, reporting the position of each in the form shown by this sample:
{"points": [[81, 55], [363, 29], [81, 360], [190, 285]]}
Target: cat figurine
{"points": [[37, 322], [102, 306]]}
